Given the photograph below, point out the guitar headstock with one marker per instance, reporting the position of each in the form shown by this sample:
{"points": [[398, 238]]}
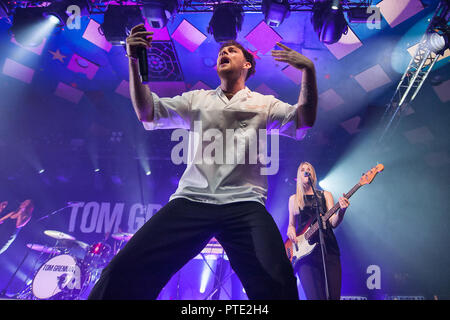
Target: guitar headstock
{"points": [[370, 175]]}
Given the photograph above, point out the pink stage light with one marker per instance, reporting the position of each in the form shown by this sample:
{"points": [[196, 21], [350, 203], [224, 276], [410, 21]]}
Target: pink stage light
{"points": [[419, 135], [18, 71], [329, 100], [263, 37], [347, 44], [264, 89], [293, 73], [168, 88], [351, 125], [123, 89], [82, 65], [372, 78], [188, 36], [397, 11], [200, 85], [94, 35], [68, 93]]}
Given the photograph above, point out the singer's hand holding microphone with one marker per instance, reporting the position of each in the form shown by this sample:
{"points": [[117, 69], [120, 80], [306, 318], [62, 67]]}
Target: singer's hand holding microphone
{"points": [[138, 42]]}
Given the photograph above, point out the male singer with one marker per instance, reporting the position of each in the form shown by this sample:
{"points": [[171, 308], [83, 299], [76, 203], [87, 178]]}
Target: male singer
{"points": [[221, 200]]}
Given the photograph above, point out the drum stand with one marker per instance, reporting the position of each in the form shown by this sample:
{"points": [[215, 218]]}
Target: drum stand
{"points": [[219, 278], [3, 292]]}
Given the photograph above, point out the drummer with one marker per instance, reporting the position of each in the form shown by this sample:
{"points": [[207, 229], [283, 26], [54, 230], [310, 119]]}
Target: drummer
{"points": [[13, 222]]}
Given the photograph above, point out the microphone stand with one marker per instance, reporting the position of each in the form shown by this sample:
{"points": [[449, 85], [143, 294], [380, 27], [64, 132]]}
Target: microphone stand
{"points": [[3, 292], [323, 249]]}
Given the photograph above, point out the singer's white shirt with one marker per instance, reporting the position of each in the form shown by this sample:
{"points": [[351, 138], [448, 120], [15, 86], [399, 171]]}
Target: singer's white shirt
{"points": [[245, 114]]}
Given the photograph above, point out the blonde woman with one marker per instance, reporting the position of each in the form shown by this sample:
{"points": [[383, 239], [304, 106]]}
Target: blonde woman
{"points": [[301, 211], [9, 229]]}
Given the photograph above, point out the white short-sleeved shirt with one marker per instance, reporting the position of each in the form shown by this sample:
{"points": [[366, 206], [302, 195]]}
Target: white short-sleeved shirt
{"points": [[218, 169]]}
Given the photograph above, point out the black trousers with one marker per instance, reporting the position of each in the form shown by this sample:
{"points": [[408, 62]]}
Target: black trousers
{"points": [[180, 230], [310, 272]]}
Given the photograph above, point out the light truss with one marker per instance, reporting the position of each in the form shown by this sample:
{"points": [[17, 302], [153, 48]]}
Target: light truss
{"points": [[192, 6], [412, 80], [255, 5]]}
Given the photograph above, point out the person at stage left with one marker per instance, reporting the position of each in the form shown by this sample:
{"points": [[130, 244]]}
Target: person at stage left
{"points": [[13, 222], [301, 210]]}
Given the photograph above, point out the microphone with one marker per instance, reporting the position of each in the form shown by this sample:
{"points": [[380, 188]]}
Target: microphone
{"points": [[143, 64]]}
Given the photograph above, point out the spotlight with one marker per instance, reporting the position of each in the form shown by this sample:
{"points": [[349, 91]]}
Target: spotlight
{"points": [[226, 21], [148, 173], [275, 11], [438, 40], [158, 12], [41, 171], [53, 19], [56, 14], [335, 4], [59, 12], [329, 23], [26, 22], [97, 170], [118, 21]]}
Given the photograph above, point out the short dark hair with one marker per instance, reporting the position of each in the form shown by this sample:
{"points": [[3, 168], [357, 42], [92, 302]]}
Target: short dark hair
{"points": [[248, 56]]}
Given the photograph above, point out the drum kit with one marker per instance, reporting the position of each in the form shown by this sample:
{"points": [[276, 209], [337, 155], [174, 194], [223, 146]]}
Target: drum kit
{"points": [[71, 267]]}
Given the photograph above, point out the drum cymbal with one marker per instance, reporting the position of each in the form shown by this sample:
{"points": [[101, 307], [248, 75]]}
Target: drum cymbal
{"points": [[42, 248], [58, 235], [82, 244], [122, 236]]}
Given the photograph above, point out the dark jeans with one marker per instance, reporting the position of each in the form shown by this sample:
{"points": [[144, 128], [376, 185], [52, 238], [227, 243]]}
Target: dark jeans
{"points": [[310, 272], [180, 230]]}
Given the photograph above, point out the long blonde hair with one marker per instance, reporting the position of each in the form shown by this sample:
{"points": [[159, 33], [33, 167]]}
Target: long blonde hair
{"points": [[299, 195]]}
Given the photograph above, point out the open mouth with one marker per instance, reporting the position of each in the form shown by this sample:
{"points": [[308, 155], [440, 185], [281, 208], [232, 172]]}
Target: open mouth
{"points": [[224, 60]]}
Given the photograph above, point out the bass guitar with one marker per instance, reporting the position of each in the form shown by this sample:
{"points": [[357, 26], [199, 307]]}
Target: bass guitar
{"points": [[296, 251]]}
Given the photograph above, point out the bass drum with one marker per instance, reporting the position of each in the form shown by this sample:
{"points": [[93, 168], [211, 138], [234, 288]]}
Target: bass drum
{"points": [[59, 278]]}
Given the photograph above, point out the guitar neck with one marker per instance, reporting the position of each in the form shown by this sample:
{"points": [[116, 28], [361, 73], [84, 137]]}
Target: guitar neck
{"points": [[6, 217], [330, 212]]}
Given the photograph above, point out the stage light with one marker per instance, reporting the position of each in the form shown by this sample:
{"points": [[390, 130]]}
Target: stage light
{"points": [[41, 171], [335, 4], [438, 40], [275, 11], [118, 22], [328, 23], [29, 26], [148, 173], [97, 170], [53, 19], [158, 12], [226, 21], [55, 15], [60, 11]]}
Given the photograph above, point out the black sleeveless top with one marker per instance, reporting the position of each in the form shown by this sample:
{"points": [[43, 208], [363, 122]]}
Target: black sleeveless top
{"points": [[309, 212]]}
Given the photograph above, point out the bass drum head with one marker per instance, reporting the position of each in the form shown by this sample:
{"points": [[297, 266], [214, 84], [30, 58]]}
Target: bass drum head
{"points": [[57, 277]]}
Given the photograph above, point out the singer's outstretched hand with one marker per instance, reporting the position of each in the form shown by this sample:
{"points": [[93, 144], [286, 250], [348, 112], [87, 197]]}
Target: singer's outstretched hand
{"points": [[294, 58], [139, 37]]}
